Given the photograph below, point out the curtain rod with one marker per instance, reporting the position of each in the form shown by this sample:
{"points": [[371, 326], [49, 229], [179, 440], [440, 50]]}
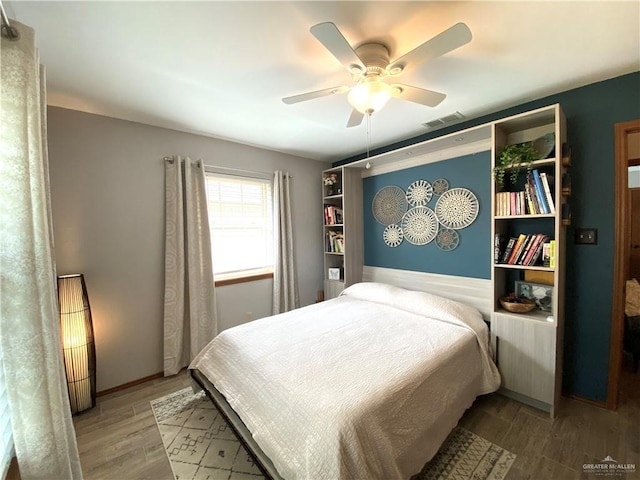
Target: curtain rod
{"points": [[237, 171], [196, 162], [233, 171], [6, 30]]}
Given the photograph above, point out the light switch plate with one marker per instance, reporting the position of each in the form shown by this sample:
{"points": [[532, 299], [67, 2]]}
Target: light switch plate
{"points": [[586, 236]]}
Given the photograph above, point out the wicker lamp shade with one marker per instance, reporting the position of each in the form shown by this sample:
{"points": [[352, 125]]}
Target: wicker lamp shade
{"points": [[78, 346]]}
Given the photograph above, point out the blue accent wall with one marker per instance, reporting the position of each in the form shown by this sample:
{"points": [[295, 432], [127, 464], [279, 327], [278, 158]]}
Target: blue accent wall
{"points": [[591, 113], [470, 258]]}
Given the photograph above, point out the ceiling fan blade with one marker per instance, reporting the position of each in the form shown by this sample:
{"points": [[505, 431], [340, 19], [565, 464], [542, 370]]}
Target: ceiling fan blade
{"points": [[452, 38], [303, 97], [355, 118], [329, 36], [417, 95]]}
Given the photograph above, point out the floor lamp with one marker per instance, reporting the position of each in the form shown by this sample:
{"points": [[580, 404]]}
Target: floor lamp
{"points": [[78, 345]]}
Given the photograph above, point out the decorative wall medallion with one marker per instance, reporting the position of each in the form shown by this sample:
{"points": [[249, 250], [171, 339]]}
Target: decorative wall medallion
{"points": [[419, 225], [419, 193], [447, 239], [457, 208], [389, 205], [393, 235], [440, 186]]}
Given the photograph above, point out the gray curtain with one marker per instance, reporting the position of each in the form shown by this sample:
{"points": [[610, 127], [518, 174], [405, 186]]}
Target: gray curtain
{"points": [[30, 342], [189, 295], [285, 278]]}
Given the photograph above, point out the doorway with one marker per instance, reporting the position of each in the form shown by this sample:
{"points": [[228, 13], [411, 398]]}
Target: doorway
{"points": [[627, 154], [634, 220]]}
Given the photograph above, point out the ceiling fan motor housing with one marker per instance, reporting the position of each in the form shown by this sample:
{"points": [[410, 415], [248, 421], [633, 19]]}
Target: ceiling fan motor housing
{"points": [[375, 57]]}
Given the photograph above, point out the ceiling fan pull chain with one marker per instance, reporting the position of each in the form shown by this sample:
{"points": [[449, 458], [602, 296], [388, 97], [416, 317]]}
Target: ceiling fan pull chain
{"points": [[368, 133]]}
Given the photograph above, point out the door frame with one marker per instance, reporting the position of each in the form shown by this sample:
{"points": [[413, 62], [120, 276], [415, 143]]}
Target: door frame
{"points": [[620, 257]]}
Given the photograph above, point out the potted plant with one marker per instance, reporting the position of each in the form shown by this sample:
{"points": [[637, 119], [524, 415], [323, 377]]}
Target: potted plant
{"points": [[514, 158]]}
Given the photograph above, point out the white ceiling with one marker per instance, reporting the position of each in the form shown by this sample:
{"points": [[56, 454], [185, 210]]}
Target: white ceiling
{"points": [[221, 68]]}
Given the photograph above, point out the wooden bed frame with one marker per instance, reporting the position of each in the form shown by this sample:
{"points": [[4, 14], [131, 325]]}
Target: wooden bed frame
{"points": [[262, 461]]}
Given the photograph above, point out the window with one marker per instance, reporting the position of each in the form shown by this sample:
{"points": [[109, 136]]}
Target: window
{"points": [[241, 224]]}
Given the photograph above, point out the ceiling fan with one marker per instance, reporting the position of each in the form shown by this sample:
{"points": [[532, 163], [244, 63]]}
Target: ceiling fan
{"points": [[369, 65]]}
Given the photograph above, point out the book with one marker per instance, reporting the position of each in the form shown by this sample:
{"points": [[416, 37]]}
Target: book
{"points": [[334, 242], [538, 252], [498, 246], [528, 197], [547, 182], [544, 208], [534, 196], [516, 249], [508, 249], [552, 254], [500, 204], [546, 259], [526, 256], [332, 215], [525, 249]]}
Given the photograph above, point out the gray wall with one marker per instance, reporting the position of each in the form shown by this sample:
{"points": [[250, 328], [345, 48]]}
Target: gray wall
{"points": [[107, 193]]}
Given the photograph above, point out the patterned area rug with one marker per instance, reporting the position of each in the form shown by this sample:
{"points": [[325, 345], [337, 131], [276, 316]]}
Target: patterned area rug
{"points": [[200, 445]]}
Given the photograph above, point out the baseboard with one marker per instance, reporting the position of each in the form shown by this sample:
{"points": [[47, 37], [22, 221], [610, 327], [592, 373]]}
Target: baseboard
{"points": [[532, 402], [130, 384], [588, 401]]}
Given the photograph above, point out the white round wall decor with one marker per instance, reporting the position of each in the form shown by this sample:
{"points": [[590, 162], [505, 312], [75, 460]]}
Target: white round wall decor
{"points": [[457, 208], [419, 225], [447, 239], [389, 205], [440, 186], [419, 193], [393, 235]]}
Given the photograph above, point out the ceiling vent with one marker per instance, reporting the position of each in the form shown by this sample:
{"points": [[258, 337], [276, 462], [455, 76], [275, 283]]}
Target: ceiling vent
{"points": [[442, 121]]}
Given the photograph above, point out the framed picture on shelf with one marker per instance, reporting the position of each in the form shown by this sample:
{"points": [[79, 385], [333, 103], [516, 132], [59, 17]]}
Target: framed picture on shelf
{"points": [[539, 293], [334, 274]]}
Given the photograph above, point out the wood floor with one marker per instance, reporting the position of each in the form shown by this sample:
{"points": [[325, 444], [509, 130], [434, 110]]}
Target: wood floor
{"points": [[119, 438]]}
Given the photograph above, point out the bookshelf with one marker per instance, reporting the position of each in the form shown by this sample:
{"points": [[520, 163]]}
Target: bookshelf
{"points": [[528, 346], [342, 229]]}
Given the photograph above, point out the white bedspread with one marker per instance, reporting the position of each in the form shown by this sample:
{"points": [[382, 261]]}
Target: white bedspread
{"points": [[364, 386]]}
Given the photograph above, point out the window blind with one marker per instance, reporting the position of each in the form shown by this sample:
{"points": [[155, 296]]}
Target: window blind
{"points": [[241, 223]]}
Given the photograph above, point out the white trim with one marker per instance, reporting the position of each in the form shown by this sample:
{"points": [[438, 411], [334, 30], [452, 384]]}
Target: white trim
{"points": [[475, 292], [455, 141], [250, 272], [431, 157], [235, 172]]}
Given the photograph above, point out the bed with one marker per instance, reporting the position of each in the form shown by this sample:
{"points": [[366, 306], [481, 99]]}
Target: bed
{"points": [[366, 385]]}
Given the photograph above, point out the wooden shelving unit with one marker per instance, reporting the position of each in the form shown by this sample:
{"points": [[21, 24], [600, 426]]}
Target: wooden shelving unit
{"points": [[528, 347], [345, 195]]}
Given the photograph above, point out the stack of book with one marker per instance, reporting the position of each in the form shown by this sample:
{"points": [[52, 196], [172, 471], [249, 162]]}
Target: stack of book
{"points": [[332, 215], [334, 242], [523, 250], [535, 199], [511, 203]]}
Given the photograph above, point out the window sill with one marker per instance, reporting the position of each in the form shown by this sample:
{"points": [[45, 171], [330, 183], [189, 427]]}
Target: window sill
{"points": [[242, 279]]}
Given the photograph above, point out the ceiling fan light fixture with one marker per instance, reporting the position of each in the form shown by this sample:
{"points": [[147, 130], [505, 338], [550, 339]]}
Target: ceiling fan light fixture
{"points": [[369, 96]]}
